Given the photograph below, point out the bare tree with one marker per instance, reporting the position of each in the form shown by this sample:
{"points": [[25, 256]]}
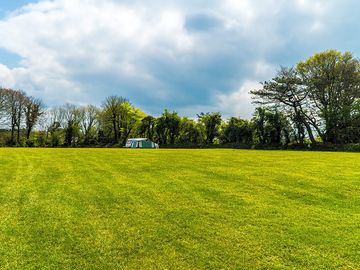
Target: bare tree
{"points": [[88, 120], [12, 105], [2, 105], [111, 115], [33, 109], [70, 121]]}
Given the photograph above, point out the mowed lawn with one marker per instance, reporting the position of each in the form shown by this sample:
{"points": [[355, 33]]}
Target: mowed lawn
{"points": [[178, 209]]}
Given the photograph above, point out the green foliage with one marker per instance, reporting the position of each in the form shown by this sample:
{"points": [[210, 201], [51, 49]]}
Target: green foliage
{"points": [[211, 123], [333, 82], [168, 127], [354, 147], [317, 96], [316, 102], [237, 131], [271, 127], [190, 132], [147, 127], [119, 119]]}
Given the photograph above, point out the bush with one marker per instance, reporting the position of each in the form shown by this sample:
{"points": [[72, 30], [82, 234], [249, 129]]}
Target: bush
{"points": [[353, 147], [30, 143]]}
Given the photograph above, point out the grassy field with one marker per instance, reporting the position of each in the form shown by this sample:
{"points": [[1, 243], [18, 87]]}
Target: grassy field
{"points": [[178, 209]]}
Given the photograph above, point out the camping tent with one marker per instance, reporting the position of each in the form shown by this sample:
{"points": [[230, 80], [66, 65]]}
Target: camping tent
{"points": [[140, 143]]}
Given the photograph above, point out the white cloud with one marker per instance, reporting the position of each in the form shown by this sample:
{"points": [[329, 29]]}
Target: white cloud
{"points": [[264, 70], [238, 103], [59, 39], [7, 80], [80, 50]]}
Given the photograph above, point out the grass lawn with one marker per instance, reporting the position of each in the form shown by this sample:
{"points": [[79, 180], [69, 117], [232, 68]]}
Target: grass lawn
{"points": [[178, 209]]}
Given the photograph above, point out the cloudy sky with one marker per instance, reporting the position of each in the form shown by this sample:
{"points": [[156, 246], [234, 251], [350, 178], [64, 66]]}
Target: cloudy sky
{"points": [[184, 55]]}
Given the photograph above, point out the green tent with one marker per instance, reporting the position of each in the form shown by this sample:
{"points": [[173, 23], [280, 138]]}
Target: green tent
{"points": [[140, 143]]}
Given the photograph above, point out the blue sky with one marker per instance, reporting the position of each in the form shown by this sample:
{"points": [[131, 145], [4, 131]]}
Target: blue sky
{"points": [[10, 5], [188, 56]]}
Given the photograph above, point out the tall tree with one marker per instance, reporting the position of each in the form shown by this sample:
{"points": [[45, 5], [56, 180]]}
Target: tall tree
{"points": [[190, 132], [2, 105], [271, 127], [161, 131], [147, 127], [237, 131], [33, 109], [172, 121], [13, 102], [88, 120], [70, 116], [211, 123], [333, 82], [168, 127], [287, 92], [110, 115], [119, 119], [130, 119]]}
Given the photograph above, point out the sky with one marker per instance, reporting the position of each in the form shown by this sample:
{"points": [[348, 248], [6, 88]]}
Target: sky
{"points": [[183, 55]]}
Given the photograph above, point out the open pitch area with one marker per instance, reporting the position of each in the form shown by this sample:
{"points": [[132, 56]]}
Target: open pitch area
{"points": [[178, 209]]}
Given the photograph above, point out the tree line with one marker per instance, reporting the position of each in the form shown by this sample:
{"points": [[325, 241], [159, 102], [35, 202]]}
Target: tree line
{"points": [[319, 96], [315, 103]]}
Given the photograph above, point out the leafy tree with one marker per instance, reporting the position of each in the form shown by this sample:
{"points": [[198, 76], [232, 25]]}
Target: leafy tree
{"points": [[172, 121], [211, 123], [286, 92], [147, 127], [190, 132], [168, 127], [237, 131], [110, 115], [271, 127], [318, 95], [130, 119], [119, 119], [160, 130], [332, 80]]}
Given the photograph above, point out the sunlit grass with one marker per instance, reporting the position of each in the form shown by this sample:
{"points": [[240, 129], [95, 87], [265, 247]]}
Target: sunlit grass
{"points": [[178, 209]]}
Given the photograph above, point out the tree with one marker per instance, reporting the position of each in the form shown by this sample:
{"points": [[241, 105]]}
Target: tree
{"points": [[237, 131], [88, 116], [318, 95], [168, 127], [33, 109], [287, 92], [333, 82], [110, 115], [172, 121], [160, 130], [147, 127], [70, 121], [352, 133], [130, 120], [12, 103], [50, 122], [211, 122], [190, 132], [271, 127], [2, 104], [119, 119]]}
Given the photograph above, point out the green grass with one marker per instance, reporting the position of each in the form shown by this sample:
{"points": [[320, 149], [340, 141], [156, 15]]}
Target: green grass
{"points": [[178, 209]]}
